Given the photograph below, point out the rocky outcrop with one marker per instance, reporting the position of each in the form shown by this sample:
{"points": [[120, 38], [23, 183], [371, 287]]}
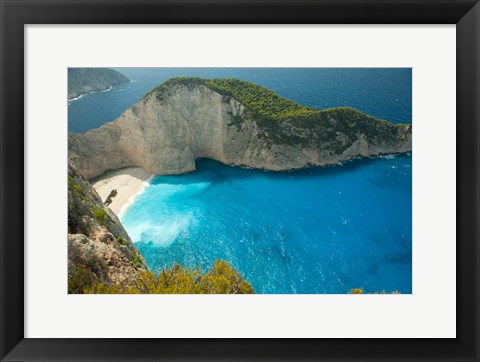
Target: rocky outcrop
{"points": [[85, 80], [172, 126], [99, 249]]}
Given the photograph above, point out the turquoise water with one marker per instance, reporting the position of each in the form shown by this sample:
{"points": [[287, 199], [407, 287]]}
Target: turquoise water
{"points": [[311, 231]]}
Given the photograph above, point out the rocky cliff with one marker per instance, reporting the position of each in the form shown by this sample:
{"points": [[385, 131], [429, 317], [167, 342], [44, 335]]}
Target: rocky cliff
{"points": [[99, 249], [85, 80], [233, 122]]}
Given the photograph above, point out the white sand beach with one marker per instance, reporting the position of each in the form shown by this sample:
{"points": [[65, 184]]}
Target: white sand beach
{"points": [[128, 182]]}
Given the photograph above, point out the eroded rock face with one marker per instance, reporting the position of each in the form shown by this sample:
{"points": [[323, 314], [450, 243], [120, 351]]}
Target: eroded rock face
{"points": [[99, 248], [165, 133]]}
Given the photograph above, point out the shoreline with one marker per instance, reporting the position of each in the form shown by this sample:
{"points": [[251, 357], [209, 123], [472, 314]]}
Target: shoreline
{"points": [[110, 87], [129, 182]]}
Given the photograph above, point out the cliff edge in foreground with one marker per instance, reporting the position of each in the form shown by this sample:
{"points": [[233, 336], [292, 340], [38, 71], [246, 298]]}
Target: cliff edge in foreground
{"points": [[99, 249], [234, 122]]}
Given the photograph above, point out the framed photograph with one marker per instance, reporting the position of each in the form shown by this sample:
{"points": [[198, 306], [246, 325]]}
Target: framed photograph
{"points": [[240, 180]]}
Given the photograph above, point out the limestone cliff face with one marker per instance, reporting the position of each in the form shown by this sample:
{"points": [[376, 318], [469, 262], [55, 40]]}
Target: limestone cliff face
{"points": [[99, 248], [167, 130]]}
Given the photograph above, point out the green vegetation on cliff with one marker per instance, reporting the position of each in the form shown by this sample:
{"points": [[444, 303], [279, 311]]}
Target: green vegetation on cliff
{"points": [[283, 121], [262, 101], [220, 279]]}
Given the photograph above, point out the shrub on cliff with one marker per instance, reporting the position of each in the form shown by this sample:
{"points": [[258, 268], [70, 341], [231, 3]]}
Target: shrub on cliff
{"points": [[80, 275], [101, 216], [361, 291], [220, 279]]}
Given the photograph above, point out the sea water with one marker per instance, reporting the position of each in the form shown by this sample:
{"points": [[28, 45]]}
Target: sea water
{"points": [[310, 231], [381, 92], [317, 230]]}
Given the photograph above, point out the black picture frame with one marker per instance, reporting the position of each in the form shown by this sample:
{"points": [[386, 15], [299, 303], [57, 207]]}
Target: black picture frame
{"points": [[15, 14]]}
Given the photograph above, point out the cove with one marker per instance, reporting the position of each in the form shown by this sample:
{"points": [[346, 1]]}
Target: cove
{"points": [[317, 230]]}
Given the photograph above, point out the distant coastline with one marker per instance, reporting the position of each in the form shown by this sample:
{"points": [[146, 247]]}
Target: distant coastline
{"points": [[93, 91], [82, 81]]}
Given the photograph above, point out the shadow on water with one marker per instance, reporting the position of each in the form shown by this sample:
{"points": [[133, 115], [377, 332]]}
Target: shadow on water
{"points": [[215, 172], [394, 237], [276, 243], [401, 258]]}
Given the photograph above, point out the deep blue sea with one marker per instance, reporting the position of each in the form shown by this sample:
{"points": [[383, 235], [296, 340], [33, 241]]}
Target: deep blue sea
{"points": [[318, 230]]}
